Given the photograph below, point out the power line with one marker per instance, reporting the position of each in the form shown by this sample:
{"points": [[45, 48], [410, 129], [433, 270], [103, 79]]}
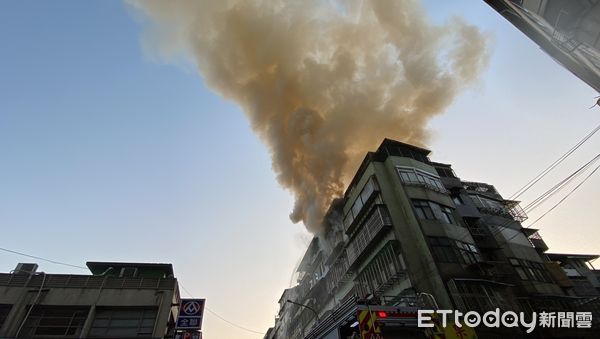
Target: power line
{"points": [[546, 195], [531, 206], [566, 196], [557, 162], [559, 202], [43, 259], [556, 188], [220, 317]]}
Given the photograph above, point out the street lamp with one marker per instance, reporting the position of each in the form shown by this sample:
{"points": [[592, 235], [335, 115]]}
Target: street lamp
{"points": [[310, 308]]}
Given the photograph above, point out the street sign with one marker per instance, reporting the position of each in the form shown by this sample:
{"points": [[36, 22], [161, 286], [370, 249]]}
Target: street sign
{"points": [[190, 316], [188, 335]]}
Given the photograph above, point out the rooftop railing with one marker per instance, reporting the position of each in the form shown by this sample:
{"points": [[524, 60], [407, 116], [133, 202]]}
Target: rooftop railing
{"points": [[85, 281]]}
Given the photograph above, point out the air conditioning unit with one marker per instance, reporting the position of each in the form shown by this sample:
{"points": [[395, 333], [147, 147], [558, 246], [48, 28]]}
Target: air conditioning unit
{"points": [[26, 268], [128, 272]]}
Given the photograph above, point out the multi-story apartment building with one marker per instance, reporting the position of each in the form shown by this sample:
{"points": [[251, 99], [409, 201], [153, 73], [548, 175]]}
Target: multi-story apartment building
{"points": [[409, 234], [582, 279], [569, 31], [118, 300]]}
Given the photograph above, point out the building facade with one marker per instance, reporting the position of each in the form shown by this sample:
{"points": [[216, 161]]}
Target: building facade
{"points": [[117, 300], [408, 234], [569, 31]]}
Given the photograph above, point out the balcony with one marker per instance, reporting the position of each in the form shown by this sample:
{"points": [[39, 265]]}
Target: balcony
{"points": [[338, 273], [415, 177], [481, 234], [500, 212], [374, 223], [481, 188], [382, 272], [515, 210], [535, 239], [361, 205], [557, 274], [492, 204], [498, 271]]}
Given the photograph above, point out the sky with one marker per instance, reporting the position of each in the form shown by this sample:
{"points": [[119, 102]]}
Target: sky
{"points": [[108, 154]]}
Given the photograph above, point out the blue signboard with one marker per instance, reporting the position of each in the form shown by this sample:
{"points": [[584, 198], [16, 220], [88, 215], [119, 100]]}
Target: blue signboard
{"points": [[190, 314]]}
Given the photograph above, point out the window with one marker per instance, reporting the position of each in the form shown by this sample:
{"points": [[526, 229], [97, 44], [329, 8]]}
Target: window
{"points": [[442, 250], [457, 200], [454, 251], [357, 206], [423, 210], [413, 154], [408, 176], [445, 172], [486, 203], [468, 253], [447, 215], [120, 322], [4, 309], [517, 265], [413, 176], [530, 270], [370, 187], [429, 210], [479, 297], [54, 321]]}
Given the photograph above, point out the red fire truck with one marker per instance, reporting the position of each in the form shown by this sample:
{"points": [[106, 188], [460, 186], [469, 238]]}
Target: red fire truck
{"points": [[356, 319]]}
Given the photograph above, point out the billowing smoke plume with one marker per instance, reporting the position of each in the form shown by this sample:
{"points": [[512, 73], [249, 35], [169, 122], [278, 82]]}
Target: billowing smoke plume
{"points": [[322, 82]]}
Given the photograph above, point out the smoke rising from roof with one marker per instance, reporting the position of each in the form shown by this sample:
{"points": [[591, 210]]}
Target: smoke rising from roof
{"points": [[322, 82]]}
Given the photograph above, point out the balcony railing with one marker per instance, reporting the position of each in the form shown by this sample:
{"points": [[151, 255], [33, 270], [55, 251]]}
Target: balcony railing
{"points": [[501, 212], [85, 281], [382, 272], [515, 210], [498, 271], [482, 235], [481, 188], [338, 273], [373, 224], [535, 239]]}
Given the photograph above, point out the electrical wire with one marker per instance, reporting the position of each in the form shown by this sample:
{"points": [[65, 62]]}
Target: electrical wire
{"points": [[556, 188], [43, 259], [542, 174], [220, 317], [559, 202], [544, 197], [557, 162], [566, 196], [537, 202]]}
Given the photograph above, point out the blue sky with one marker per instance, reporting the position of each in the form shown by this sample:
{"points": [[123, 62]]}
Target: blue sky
{"points": [[108, 154]]}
